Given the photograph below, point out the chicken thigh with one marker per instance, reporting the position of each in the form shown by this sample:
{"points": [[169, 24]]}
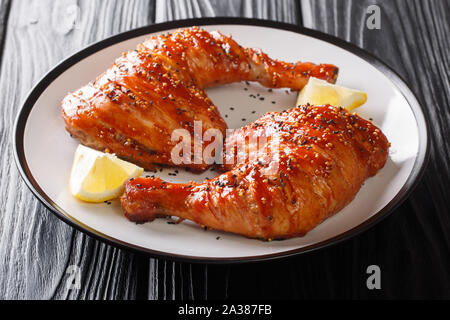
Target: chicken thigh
{"points": [[309, 164], [134, 107]]}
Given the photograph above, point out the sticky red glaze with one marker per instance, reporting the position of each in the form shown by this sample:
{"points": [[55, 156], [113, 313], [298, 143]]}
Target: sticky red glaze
{"points": [[133, 108], [325, 154]]}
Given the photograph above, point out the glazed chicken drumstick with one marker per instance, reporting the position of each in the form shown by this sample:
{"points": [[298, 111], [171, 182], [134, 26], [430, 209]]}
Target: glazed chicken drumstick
{"points": [[133, 108], [323, 156]]}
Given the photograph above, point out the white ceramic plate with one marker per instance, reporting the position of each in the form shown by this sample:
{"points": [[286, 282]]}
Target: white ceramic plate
{"points": [[44, 150]]}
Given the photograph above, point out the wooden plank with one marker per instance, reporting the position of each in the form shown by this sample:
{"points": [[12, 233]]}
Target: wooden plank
{"points": [[412, 246], [171, 280], [281, 10], [5, 6], [35, 247]]}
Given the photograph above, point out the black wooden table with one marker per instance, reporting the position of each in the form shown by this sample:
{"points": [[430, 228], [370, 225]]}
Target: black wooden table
{"points": [[412, 246]]}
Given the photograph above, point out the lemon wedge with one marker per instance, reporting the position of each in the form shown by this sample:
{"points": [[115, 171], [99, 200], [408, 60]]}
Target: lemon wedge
{"points": [[98, 176], [318, 92]]}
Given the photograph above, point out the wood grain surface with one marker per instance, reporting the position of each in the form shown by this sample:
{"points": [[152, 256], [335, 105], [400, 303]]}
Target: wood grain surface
{"points": [[412, 246]]}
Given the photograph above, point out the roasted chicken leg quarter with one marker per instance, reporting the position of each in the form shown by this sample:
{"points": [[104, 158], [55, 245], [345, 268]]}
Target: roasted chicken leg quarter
{"points": [[133, 108], [323, 156]]}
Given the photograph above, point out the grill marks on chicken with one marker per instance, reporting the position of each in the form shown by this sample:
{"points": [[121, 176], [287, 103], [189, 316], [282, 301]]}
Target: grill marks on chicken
{"points": [[325, 155], [133, 108]]}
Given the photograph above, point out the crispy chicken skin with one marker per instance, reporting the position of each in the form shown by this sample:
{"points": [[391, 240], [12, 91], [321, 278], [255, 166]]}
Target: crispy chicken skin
{"points": [[325, 154], [133, 108]]}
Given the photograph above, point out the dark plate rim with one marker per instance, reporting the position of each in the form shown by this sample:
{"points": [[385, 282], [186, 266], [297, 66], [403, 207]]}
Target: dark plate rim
{"points": [[412, 181]]}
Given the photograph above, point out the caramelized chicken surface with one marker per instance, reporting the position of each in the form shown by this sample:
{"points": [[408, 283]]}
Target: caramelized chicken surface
{"points": [[133, 108], [323, 157]]}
